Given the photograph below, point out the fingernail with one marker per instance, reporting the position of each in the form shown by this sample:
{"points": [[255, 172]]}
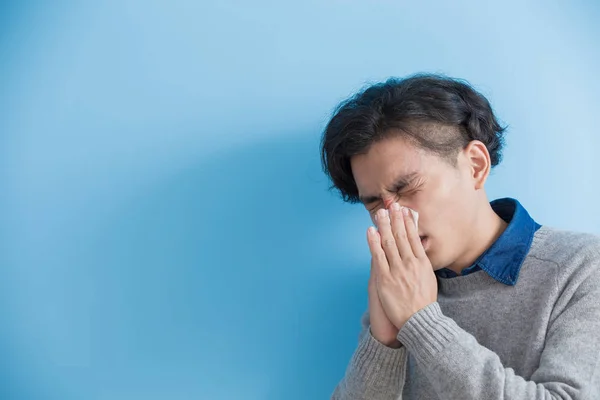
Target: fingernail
{"points": [[396, 206], [404, 210], [382, 213]]}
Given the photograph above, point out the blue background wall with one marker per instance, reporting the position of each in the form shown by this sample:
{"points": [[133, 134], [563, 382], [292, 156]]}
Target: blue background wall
{"points": [[165, 229]]}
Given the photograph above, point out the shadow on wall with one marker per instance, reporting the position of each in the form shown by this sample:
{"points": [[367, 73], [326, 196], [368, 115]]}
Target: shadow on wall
{"points": [[220, 283]]}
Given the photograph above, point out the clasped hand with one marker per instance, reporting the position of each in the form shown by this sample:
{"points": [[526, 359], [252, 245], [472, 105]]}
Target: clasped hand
{"points": [[402, 279]]}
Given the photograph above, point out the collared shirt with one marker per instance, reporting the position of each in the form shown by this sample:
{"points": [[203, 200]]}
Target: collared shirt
{"points": [[503, 259]]}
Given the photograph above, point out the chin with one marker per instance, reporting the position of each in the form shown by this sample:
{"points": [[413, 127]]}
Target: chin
{"points": [[435, 261]]}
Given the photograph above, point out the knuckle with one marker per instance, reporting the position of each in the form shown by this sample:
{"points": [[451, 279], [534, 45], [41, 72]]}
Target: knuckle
{"points": [[379, 258], [389, 242], [399, 235]]}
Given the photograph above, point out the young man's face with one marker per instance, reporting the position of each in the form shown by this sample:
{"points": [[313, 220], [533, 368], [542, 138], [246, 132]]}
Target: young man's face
{"points": [[443, 194]]}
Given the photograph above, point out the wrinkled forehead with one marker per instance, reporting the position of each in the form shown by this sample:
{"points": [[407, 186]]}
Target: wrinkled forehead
{"points": [[385, 164]]}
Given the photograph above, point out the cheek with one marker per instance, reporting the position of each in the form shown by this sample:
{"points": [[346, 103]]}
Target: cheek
{"points": [[451, 228], [441, 212]]}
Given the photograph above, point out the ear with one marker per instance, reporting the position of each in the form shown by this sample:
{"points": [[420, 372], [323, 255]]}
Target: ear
{"points": [[479, 162]]}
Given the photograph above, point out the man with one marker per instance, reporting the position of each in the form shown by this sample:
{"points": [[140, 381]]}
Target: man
{"points": [[480, 301]]}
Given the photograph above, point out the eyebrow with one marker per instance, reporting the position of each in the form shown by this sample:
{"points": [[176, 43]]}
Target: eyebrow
{"points": [[399, 184]]}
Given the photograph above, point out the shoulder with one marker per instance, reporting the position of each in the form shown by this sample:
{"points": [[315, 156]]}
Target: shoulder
{"points": [[571, 252], [553, 242]]}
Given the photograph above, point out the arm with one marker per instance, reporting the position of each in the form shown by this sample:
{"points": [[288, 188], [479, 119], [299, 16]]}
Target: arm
{"points": [[455, 364], [459, 367], [375, 372]]}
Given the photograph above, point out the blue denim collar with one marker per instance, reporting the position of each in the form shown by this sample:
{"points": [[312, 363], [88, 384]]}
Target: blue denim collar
{"points": [[504, 258]]}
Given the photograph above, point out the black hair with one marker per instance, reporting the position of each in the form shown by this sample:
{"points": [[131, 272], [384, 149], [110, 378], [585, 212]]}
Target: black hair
{"points": [[437, 113]]}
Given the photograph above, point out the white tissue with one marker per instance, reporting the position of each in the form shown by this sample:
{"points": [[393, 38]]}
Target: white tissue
{"points": [[415, 215]]}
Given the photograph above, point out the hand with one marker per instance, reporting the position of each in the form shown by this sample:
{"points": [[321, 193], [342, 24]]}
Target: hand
{"points": [[382, 328], [403, 274]]}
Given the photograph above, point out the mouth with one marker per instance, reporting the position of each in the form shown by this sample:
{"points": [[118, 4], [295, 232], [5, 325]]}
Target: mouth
{"points": [[424, 241]]}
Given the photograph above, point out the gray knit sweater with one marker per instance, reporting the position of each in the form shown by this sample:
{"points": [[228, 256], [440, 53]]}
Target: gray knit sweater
{"points": [[484, 340]]}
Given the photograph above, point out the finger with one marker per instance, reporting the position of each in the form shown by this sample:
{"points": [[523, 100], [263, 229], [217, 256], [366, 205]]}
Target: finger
{"points": [[379, 262], [388, 243], [413, 234], [372, 285], [399, 229]]}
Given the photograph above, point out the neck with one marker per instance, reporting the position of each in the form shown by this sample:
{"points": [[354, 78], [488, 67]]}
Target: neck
{"points": [[488, 228]]}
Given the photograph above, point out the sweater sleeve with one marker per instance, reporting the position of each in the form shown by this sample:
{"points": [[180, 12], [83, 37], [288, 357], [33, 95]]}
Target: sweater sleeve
{"points": [[375, 371], [460, 368]]}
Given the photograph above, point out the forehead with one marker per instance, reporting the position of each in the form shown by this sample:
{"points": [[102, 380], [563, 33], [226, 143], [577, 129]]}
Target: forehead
{"points": [[386, 161]]}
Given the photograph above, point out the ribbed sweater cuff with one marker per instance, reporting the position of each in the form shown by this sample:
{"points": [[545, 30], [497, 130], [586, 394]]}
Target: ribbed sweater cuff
{"points": [[378, 365], [427, 332]]}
